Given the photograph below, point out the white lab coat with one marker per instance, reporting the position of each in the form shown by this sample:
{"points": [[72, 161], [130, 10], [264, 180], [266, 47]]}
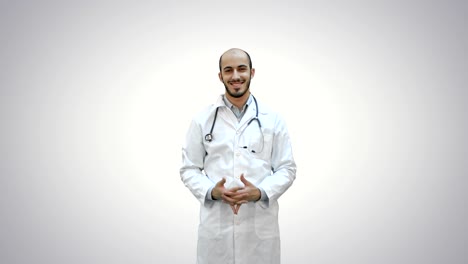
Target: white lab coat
{"points": [[252, 236]]}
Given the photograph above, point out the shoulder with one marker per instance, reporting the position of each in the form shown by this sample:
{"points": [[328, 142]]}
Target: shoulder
{"points": [[268, 112], [270, 117], [206, 112]]}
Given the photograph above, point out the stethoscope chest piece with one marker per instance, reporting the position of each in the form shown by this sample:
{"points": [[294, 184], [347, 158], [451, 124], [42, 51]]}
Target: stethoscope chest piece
{"points": [[209, 137]]}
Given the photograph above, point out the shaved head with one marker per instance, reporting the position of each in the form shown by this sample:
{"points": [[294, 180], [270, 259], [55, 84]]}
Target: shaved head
{"points": [[235, 51]]}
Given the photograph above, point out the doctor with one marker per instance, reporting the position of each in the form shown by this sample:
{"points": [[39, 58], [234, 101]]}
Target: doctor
{"points": [[237, 161]]}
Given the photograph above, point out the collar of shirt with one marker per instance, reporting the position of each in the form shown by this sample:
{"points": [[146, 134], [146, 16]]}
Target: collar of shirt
{"points": [[239, 113]]}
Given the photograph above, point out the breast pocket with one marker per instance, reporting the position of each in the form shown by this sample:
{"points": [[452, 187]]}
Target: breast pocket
{"points": [[260, 147]]}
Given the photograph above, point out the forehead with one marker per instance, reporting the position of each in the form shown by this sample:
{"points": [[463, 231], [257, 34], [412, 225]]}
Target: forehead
{"points": [[234, 59]]}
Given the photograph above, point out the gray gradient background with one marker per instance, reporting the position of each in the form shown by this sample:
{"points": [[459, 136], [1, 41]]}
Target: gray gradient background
{"points": [[96, 97]]}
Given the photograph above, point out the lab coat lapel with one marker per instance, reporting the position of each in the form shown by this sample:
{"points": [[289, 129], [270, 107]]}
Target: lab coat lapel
{"points": [[249, 114], [225, 114]]}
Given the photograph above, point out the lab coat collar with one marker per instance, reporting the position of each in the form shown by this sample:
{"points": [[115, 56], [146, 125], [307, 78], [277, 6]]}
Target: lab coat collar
{"points": [[249, 114], [220, 102]]}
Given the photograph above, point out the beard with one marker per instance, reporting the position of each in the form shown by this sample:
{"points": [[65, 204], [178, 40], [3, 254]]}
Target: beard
{"points": [[240, 93]]}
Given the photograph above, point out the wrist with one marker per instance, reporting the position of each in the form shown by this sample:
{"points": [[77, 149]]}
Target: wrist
{"points": [[213, 196], [259, 195]]}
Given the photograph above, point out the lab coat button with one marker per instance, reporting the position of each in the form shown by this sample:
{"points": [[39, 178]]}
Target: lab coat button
{"points": [[237, 154]]}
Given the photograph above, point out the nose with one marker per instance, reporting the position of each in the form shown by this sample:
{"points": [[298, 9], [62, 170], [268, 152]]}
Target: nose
{"points": [[235, 74]]}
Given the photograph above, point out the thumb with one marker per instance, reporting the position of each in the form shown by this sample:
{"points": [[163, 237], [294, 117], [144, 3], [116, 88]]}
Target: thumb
{"points": [[221, 182], [244, 180]]}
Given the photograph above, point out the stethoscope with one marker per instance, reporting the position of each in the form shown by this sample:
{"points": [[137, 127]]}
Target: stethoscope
{"points": [[209, 136]]}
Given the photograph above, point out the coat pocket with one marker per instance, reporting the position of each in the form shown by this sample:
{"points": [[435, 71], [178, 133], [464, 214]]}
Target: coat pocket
{"points": [[260, 148], [209, 226], [266, 221]]}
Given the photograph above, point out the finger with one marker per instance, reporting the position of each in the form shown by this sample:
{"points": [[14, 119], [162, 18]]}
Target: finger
{"points": [[235, 199], [233, 193], [240, 196], [233, 208], [228, 199], [237, 207]]}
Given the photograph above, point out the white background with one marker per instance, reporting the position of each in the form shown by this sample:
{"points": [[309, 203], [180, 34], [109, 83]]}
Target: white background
{"points": [[96, 97]]}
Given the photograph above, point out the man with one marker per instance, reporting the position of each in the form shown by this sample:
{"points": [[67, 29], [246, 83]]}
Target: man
{"points": [[237, 161]]}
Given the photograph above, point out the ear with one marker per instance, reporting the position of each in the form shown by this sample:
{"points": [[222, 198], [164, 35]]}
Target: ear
{"points": [[252, 73], [220, 76]]}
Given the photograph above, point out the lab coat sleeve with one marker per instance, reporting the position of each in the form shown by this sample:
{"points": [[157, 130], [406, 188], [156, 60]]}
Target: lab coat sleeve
{"points": [[191, 171], [282, 164]]}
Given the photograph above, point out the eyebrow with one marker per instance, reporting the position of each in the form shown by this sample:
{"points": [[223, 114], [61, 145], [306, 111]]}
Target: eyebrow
{"points": [[239, 66]]}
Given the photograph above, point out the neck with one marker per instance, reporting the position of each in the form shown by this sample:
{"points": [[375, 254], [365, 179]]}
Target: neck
{"points": [[238, 102]]}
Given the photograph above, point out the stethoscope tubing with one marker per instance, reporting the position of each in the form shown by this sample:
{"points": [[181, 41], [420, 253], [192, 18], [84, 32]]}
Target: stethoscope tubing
{"points": [[209, 136]]}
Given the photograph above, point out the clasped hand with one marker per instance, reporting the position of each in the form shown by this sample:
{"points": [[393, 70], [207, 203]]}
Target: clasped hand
{"points": [[236, 196]]}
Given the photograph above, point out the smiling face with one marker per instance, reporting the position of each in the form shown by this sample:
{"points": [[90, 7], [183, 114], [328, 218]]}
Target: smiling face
{"points": [[236, 73]]}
